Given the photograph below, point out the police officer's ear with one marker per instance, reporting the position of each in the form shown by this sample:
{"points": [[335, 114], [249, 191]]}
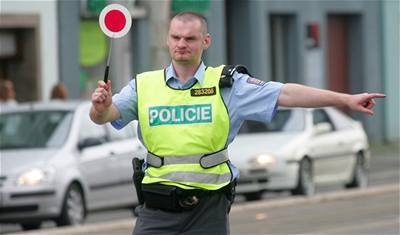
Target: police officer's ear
{"points": [[206, 41]]}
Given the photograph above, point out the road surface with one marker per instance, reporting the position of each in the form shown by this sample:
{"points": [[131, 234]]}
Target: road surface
{"points": [[384, 170]]}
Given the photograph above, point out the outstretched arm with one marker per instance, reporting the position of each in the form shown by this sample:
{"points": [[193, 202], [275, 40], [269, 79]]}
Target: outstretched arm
{"points": [[296, 95]]}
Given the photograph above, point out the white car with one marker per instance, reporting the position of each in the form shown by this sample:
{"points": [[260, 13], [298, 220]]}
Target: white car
{"points": [[56, 164], [299, 149]]}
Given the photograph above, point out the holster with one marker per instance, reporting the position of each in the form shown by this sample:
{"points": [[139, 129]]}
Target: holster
{"points": [[230, 191], [137, 177]]}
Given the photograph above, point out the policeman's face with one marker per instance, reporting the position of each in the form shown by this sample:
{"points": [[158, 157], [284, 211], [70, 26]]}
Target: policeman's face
{"points": [[186, 41]]}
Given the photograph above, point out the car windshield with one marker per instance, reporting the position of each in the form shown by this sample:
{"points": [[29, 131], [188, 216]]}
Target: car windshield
{"points": [[34, 129], [285, 120]]}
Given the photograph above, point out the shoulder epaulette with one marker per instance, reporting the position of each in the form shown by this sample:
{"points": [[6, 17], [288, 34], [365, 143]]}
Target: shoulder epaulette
{"points": [[226, 79]]}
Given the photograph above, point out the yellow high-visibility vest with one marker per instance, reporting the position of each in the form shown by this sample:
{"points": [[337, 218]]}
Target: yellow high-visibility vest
{"points": [[181, 127]]}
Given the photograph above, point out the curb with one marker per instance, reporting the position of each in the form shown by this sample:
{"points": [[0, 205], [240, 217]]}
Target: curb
{"points": [[319, 198], [274, 203]]}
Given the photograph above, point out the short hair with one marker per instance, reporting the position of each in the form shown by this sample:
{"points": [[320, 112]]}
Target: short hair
{"points": [[190, 16], [59, 91]]}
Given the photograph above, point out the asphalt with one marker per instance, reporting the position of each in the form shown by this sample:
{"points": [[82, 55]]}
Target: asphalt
{"points": [[122, 226]]}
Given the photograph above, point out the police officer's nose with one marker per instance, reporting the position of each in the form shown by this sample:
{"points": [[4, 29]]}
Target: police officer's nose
{"points": [[181, 43]]}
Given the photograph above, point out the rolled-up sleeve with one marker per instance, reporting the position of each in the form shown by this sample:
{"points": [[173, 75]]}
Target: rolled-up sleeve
{"points": [[126, 102]]}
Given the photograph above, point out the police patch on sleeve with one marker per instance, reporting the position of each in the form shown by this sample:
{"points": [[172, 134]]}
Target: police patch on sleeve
{"points": [[255, 81]]}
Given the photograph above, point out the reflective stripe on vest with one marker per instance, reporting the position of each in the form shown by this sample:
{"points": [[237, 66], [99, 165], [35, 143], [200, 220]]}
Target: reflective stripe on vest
{"points": [[195, 177], [189, 176], [184, 125], [206, 161]]}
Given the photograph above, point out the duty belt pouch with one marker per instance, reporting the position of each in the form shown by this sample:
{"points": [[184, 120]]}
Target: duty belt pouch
{"points": [[160, 196]]}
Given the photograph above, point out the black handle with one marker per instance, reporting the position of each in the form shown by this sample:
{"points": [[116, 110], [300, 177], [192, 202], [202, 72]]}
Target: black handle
{"points": [[106, 74]]}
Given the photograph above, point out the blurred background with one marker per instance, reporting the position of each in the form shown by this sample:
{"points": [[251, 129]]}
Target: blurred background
{"points": [[347, 46]]}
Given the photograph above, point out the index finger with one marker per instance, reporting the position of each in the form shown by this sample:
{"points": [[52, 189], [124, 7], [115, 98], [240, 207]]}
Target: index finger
{"points": [[376, 95]]}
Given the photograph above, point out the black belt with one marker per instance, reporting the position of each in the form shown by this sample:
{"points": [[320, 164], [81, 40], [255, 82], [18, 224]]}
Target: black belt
{"points": [[172, 198]]}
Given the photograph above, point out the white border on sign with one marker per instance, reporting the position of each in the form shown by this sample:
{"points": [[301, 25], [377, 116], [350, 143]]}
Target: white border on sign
{"points": [[124, 11]]}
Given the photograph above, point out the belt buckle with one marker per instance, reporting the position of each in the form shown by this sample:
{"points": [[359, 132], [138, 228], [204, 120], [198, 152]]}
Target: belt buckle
{"points": [[189, 201]]}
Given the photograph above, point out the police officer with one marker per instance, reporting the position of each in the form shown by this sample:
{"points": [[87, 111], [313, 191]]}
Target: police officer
{"points": [[187, 118]]}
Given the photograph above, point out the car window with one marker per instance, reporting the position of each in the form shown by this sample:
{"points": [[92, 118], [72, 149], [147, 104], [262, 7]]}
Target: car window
{"points": [[89, 129], [125, 133], [34, 129], [287, 120], [339, 119], [320, 116]]}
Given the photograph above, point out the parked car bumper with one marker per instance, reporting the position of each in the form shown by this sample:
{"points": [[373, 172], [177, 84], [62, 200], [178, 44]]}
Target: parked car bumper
{"points": [[20, 205], [263, 179]]}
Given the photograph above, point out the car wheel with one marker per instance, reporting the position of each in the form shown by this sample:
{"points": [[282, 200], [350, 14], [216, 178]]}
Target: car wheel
{"points": [[73, 211], [253, 196], [360, 178], [31, 226], [305, 185]]}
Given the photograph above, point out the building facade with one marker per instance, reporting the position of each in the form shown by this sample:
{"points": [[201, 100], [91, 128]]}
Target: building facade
{"points": [[347, 46], [328, 44]]}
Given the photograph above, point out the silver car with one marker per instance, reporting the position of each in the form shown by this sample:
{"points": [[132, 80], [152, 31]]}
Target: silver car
{"points": [[299, 149], [56, 164]]}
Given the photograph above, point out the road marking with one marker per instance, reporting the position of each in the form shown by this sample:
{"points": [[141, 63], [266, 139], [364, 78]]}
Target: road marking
{"points": [[261, 216]]}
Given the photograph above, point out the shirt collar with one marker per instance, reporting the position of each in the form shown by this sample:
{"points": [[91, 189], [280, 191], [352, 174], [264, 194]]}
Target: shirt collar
{"points": [[199, 75]]}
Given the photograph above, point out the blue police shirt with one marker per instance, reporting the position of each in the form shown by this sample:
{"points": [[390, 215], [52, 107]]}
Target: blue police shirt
{"points": [[247, 99]]}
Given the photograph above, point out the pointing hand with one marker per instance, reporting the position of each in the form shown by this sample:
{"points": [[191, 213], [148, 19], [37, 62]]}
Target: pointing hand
{"points": [[364, 102]]}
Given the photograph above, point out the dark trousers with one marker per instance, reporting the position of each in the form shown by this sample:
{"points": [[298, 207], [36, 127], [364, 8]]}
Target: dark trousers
{"points": [[209, 217]]}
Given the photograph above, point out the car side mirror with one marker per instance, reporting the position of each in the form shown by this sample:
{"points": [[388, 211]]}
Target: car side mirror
{"points": [[88, 142], [322, 128]]}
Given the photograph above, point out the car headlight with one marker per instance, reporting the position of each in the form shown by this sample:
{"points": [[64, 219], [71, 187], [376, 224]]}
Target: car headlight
{"points": [[264, 160], [34, 177]]}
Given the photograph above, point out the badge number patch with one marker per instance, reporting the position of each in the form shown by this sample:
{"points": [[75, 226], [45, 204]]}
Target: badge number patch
{"points": [[203, 91], [180, 114]]}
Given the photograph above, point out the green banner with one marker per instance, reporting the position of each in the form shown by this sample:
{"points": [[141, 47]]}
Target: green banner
{"points": [[96, 6], [199, 6], [93, 43]]}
